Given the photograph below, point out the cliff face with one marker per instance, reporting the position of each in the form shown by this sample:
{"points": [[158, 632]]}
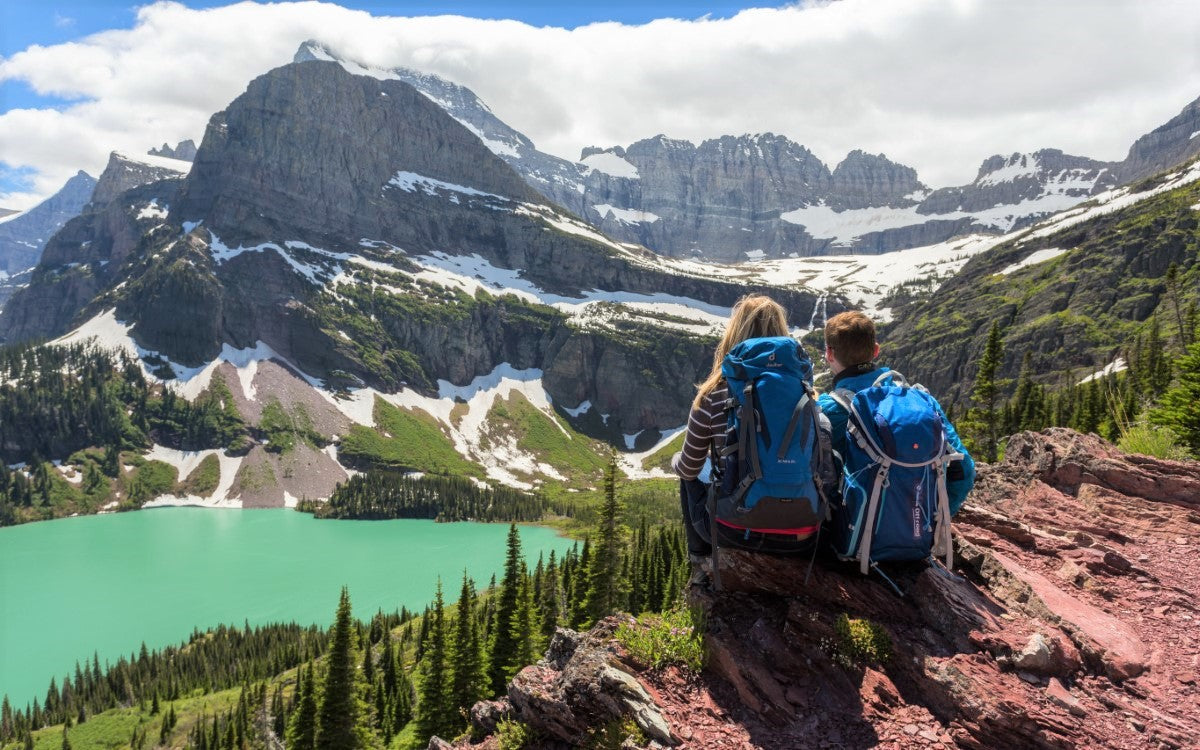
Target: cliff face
{"points": [[89, 255], [1069, 622], [1172, 143]]}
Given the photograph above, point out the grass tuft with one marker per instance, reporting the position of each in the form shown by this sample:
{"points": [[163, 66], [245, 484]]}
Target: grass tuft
{"points": [[675, 637]]}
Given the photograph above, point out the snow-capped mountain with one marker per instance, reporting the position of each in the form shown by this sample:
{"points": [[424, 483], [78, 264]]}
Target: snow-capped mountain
{"points": [[764, 196]]}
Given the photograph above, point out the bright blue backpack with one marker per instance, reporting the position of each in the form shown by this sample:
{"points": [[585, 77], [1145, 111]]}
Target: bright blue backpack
{"points": [[777, 457], [894, 504]]}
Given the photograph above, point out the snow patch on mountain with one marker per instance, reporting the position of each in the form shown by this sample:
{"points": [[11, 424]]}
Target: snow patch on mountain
{"points": [[1113, 200], [472, 273], [185, 462], [106, 332], [583, 408], [499, 148], [153, 211], [632, 463], [625, 215], [844, 227], [1117, 365], [467, 428], [610, 164], [1019, 165], [1039, 256], [161, 162], [411, 182]]}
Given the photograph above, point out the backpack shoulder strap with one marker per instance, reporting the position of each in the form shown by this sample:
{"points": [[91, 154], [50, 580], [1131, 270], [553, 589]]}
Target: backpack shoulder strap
{"points": [[895, 375], [843, 397]]}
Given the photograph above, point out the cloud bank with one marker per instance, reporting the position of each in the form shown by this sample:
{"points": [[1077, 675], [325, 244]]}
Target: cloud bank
{"points": [[935, 84]]}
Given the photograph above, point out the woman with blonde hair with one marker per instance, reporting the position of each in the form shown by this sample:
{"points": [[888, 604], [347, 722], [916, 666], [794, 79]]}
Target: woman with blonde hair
{"points": [[754, 316]]}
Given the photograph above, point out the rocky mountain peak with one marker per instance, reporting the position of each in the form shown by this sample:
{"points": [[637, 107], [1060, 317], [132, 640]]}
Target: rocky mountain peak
{"points": [[126, 171], [184, 150], [311, 146], [1172, 143], [861, 180], [1068, 622], [1039, 166], [23, 237]]}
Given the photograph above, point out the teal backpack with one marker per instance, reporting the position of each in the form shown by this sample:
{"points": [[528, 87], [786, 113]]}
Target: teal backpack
{"points": [[772, 475]]}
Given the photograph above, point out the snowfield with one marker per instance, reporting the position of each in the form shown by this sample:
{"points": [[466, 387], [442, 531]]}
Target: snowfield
{"points": [[610, 164], [1038, 256]]}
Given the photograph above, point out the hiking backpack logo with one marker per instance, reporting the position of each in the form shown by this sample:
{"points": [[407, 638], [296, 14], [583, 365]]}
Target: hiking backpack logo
{"points": [[894, 504], [776, 461]]}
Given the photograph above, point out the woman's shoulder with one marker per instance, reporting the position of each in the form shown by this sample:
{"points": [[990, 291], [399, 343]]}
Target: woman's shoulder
{"points": [[715, 399]]}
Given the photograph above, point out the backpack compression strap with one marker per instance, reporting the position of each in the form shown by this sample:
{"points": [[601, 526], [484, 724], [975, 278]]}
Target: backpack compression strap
{"points": [[747, 443], [943, 540], [806, 404]]}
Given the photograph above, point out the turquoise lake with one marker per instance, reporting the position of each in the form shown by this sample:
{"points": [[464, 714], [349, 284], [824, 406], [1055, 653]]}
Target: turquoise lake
{"points": [[107, 583]]}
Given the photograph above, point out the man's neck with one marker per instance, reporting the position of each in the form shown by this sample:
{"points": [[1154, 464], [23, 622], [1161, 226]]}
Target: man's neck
{"points": [[852, 370]]}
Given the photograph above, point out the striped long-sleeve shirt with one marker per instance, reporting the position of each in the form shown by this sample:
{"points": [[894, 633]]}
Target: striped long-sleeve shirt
{"points": [[705, 429]]}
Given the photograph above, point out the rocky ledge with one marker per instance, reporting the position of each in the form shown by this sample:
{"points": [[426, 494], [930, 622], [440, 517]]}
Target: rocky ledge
{"points": [[1070, 621]]}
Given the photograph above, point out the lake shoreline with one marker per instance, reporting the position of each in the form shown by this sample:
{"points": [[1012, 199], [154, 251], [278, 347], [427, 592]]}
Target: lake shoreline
{"points": [[156, 577]]}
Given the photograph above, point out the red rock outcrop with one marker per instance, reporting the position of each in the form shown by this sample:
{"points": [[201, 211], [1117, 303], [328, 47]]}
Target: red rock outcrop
{"points": [[1070, 621]]}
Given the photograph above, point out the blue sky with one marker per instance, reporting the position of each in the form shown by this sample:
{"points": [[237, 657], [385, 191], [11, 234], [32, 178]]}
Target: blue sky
{"points": [[26, 22]]}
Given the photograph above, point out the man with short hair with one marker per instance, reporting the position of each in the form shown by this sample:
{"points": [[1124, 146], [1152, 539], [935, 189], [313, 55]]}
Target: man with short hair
{"points": [[851, 350]]}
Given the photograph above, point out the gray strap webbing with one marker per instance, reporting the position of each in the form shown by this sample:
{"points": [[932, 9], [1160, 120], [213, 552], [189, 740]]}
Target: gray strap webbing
{"points": [[791, 428], [868, 533], [843, 397], [750, 431], [943, 539]]}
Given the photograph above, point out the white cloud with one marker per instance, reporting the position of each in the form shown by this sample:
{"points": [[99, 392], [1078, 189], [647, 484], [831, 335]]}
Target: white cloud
{"points": [[63, 22], [936, 84]]}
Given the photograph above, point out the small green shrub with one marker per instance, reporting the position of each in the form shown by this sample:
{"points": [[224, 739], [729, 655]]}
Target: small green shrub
{"points": [[1152, 440], [204, 479], [613, 735], [675, 637], [149, 480], [514, 735], [860, 642]]}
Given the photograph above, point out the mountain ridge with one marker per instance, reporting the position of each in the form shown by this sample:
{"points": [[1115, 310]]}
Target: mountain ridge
{"points": [[876, 205]]}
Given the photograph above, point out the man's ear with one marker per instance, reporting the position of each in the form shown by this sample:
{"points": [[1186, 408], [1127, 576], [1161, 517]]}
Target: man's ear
{"points": [[876, 354]]}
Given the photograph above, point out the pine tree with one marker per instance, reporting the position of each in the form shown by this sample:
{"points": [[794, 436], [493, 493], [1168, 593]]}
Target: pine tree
{"points": [[433, 707], [577, 603], [343, 716], [604, 587], [550, 603], [1173, 295], [524, 625], [302, 728], [1179, 407], [504, 643], [468, 675], [985, 391]]}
